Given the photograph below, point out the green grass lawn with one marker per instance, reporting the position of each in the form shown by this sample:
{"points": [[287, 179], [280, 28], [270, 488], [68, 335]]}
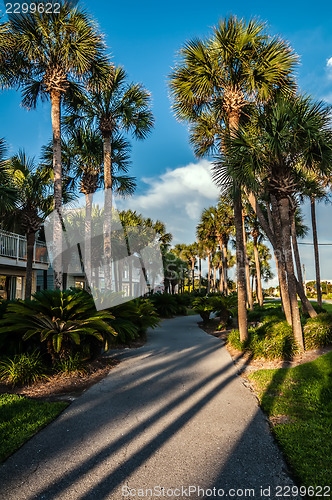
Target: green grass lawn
{"points": [[301, 398], [21, 418]]}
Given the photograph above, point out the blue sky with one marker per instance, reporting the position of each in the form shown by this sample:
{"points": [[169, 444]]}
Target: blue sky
{"points": [[145, 37]]}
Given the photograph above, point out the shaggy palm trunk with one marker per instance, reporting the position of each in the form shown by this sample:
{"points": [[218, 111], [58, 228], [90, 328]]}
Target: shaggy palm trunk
{"points": [[240, 269], [315, 241], [31, 238], [57, 173], [281, 268], [233, 121], [258, 273], [108, 212], [249, 292], [87, 242], [287, 248]]}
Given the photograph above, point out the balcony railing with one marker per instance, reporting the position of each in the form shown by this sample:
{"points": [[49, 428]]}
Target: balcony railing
{"points": [[14, 246]]}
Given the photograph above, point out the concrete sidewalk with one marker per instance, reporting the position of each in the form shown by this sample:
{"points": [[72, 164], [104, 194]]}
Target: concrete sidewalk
{"points": [[174, 414]]}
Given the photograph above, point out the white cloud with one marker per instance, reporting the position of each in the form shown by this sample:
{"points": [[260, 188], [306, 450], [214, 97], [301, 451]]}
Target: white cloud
{"points": [[177, 197], [329, 68]]}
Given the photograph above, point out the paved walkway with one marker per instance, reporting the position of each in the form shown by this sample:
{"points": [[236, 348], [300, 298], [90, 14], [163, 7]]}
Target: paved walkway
{"points": [[174, 414]]}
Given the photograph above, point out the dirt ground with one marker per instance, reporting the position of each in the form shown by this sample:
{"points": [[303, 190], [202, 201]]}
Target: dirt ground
{"points": [[246, 364], [67, 387]]}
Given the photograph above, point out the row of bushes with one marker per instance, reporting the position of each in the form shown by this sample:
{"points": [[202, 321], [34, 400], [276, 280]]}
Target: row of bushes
{"points": [[272, 337]]}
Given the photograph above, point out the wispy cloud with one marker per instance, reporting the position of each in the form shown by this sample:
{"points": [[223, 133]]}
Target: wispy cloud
{"points": [[329, 68], [177, 197]]}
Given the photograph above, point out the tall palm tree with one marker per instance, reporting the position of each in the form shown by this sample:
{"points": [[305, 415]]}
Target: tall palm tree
{"points": [[8, 194], [293, 134], [237, 65], [51, 54], [114, 106], [34, 203]]}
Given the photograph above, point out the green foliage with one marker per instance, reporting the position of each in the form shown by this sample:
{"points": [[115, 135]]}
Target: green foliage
{"points": [[318, 331], [272, 340], [234, 340], [70, 365], [61, 319], [223, 306], [21, 418], [165, 304], [23, 368], [204, 306], [132, 319], [303, 397]]}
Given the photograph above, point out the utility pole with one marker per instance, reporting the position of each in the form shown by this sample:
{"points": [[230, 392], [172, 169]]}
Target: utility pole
{"points": [[304, 283]]}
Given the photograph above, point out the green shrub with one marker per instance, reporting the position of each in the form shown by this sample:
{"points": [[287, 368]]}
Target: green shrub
{"points": [[276, 341], [234, 340], [23, 368], [165, 304], [147, 316], [204, 306], [131, 319], [61, 319], [318, 331], [279, 343], [70, 365]]}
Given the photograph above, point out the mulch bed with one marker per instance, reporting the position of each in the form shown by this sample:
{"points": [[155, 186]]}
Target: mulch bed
{"points": [[67, 387]]}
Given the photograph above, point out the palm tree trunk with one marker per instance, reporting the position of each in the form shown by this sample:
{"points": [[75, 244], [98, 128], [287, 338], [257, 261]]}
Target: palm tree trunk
{"points": [[278, 252], [87, 243], [258, 273], [130, 275], [307, 307], [31, 238], [315, 241], [287, 248], [193, 274], [200, 274], [224, 266], [240, 269], [209, 273], [249, 292], [221, 279], [108, 212], [57, 172]]}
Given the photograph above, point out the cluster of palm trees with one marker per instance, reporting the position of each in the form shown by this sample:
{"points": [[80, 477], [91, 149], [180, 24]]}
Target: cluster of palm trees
{"points": [[272, 146], [61, 57]]}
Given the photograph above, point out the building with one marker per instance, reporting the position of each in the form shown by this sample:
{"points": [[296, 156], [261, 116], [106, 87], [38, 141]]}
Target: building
{"points": [[13, 258]]}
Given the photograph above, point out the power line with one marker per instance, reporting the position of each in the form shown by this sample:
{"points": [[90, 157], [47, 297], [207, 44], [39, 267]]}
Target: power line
{"points": [[299, 243]]}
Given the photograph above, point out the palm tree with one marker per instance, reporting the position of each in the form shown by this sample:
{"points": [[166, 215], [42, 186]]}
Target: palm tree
{"points": [[114, 106], [51, 53], [293, 135], [34, 203], [237, 65], [8, 194]]}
